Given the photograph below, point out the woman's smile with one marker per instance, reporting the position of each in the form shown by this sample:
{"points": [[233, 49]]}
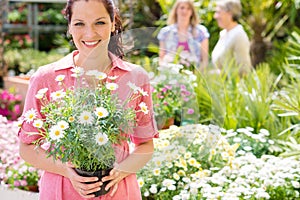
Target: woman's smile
{"points": [[91, 44]]}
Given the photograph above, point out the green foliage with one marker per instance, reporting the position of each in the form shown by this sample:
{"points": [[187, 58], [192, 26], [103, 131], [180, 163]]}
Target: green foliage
{"points": [[233, 102], [52, 16], [24, 60], [18, 13], [287, 192]]}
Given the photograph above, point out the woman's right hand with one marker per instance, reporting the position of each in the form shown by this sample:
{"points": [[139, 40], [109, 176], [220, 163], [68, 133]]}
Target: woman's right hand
{"points": [[79, 183]]}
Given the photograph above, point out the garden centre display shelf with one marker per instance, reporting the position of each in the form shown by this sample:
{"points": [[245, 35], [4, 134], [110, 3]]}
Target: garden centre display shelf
{"points": [[19, 83], [32, 26]]}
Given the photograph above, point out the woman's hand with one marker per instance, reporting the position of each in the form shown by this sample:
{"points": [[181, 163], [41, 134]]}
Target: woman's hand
{"points": [[80, 183], [115, 176]]}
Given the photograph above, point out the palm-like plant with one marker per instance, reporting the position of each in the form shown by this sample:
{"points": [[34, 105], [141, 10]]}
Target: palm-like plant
{"points": [[288, 101], [265, 19]]}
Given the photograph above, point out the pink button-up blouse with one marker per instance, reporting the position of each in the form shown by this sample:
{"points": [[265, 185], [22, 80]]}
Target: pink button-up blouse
{"points": [[57, 187]]}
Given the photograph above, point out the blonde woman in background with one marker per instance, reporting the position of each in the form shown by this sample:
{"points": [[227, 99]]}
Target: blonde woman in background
{"points": [[233, 44], [184, 32]]}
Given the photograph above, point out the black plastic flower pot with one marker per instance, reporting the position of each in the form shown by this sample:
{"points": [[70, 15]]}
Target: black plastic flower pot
{"points": [[100, 174]]}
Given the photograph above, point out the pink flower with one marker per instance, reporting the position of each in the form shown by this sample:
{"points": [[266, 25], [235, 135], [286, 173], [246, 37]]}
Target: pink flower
{"points": [[17, 183], [190, 111], [164, 89], [18, 97], [169, 87], [23, 182]]}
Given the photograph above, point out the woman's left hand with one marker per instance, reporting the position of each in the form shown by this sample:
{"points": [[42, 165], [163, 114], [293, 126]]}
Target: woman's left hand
{"points": [[115, 176]]}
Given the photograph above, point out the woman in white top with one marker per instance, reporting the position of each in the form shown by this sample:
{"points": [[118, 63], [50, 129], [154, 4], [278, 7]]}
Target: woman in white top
{"points": [[233, 46]]}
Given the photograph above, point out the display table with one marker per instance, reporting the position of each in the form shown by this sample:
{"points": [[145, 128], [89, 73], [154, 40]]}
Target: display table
{"points": [[19, 83], [16, 194]]}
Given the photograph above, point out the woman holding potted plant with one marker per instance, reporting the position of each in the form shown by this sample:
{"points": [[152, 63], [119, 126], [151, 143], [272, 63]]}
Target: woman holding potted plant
{"points": [[60, 114]]}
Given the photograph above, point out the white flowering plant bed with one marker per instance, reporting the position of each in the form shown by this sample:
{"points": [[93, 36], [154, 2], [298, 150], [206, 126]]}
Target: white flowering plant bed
{"points": [[204, 162]]}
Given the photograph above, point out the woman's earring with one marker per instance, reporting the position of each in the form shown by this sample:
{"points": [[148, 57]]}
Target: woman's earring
{"points": [[69, 37], [69, 34]]}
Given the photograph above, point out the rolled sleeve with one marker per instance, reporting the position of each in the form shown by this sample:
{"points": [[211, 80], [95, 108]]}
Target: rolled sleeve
{"points": [[27, 133], [146, 128]]}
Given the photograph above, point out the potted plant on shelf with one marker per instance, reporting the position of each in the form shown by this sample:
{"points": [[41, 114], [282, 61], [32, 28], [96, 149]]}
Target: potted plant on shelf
{"points": [[82, 125], [173, 93], [10, 103]]}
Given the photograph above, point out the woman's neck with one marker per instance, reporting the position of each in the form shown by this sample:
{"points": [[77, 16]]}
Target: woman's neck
{"points": [[101, 63], [183, 26], [231, 26]]}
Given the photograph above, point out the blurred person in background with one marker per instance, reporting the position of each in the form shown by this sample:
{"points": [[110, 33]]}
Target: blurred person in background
{"points": [[233, 46], [184, 37]]}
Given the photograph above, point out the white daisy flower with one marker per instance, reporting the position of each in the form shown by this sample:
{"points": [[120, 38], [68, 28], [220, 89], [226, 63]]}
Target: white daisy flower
{"points": [[169, 184], [133, 87], [71, 119], [92, 72], [101, 138], [192, 161], [187, 155], [141, 182], [30, 115], [56, 133], [57, 95], [111, 86], [38, 123], [63, 125], [60, 78], [153, 189], [176, 176], [113, 77], [144, 108], [144, 93], [156, 172], [39, 96], [77, 72], [101, 112], [101, 76], [86, 118], [43, 91]]}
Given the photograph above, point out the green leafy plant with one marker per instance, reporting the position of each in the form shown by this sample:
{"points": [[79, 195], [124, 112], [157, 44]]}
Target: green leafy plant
{"points": [[25, 60], [83, 124]]}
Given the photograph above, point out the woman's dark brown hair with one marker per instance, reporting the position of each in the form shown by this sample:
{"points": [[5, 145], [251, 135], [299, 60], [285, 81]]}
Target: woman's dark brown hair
{"points": [[115, 44]]}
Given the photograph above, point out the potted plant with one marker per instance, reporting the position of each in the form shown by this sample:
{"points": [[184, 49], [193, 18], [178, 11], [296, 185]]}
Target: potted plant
{"points": [[172, 90], [82, 125], [10, 103]]}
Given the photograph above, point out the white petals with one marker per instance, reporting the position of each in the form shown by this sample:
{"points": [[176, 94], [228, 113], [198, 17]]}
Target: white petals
{"points": [[101, 138]]}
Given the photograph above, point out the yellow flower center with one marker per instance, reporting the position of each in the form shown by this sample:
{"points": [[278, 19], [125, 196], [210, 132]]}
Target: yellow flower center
{"points": [[71, 119], [86, 117], [100, 114]]}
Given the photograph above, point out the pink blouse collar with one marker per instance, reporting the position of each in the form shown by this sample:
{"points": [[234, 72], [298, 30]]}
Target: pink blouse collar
{"points": [[68, 62]]}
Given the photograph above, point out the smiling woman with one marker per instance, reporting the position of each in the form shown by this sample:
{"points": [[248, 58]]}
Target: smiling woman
{"points": [[95, 28]]}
